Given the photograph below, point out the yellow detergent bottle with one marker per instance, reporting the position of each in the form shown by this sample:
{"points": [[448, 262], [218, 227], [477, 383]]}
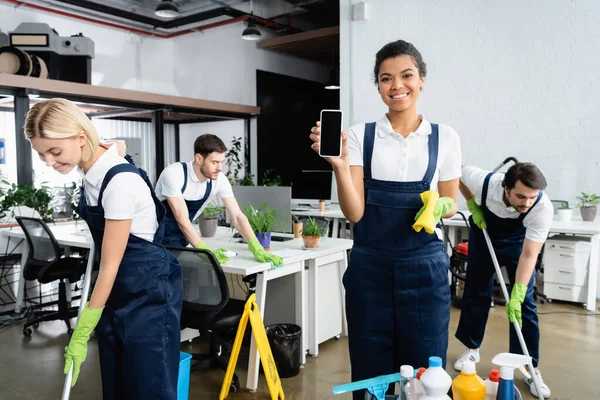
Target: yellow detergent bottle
{"points": [[467, 385]]}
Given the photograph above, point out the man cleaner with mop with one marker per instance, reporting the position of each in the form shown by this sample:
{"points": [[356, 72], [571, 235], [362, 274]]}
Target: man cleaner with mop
{"points": [[517, 216]]}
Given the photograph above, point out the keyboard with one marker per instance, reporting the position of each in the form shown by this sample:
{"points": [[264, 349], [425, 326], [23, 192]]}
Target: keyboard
{"points": [[274, 238], [281, 238]]}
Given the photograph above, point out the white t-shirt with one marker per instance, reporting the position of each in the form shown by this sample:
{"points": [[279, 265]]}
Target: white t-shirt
{"points": [[171, 181], [404, 160], [126, 196], [537, 221]]}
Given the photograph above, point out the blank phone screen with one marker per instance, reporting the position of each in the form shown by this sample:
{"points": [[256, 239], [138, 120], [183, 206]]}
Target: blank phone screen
{"points": [[331, 131]]}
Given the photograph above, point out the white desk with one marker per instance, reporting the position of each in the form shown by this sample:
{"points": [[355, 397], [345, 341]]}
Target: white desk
{"points": [[67, 234], [306, 310], [574, 227]]}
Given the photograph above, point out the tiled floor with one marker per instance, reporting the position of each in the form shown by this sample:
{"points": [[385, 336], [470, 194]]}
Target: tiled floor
{"points": [[32, 368]]}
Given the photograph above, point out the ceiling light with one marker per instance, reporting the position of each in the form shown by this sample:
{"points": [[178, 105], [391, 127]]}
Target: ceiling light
{"points": [[333, 83], [251, 32], [167, 9]]}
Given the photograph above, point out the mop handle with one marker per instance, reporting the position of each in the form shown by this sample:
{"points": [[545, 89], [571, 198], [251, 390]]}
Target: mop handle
{"points": [[84, 296], [515, 323]]}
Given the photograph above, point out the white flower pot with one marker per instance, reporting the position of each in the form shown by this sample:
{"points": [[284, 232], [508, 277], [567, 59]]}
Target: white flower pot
{"points": [[565, 214]]}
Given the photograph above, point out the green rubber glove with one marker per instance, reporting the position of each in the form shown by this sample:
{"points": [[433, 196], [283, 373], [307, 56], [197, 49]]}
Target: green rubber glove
{"points": [[442, 207], [513, 307], [221, 258], [477, 213], [76, 351], [261, 255]]}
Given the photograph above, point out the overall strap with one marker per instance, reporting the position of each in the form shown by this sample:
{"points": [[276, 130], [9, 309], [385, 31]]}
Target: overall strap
{"points": [[484, 191], [368, 142]]}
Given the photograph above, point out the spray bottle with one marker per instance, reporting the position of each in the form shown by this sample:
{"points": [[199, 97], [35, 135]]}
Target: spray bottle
{"points": [[507, 363]]}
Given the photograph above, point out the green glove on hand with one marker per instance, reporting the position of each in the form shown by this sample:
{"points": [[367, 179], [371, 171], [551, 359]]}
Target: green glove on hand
{"points": [[477, 213], [261, 255], [219, 253], [442, 207], [76, 351], [513, 307]]}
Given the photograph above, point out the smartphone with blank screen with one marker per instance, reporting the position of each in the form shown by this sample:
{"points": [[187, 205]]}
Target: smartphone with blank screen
{"points": [[331, 133]]}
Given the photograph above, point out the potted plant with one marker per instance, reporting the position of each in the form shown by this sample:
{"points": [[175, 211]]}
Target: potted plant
{"points": [[565, 213], [262, 221], [29, 196], [298, 225], [311, 233], [209, 219], [589, 205]]}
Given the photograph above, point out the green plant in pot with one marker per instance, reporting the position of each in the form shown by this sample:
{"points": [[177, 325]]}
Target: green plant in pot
{"points": [[565, 212], [311, 233], [209, 220], [29, 196], [262, 220], [588, 205]]}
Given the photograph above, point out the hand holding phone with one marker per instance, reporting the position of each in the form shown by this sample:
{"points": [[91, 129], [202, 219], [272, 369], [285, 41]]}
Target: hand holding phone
{"points": [[330, 143]]}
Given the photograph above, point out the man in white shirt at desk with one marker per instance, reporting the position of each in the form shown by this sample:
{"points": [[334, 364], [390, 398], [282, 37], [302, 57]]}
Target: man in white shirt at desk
{"points": [[517, 216], [185, 188]]}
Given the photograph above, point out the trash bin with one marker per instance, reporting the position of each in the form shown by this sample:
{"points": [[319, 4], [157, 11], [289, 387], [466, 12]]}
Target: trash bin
{"points": [[183, 381], [285, 341]]}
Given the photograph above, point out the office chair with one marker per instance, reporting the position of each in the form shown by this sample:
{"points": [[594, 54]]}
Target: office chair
{"points": [[208, 307], [46, 264]]}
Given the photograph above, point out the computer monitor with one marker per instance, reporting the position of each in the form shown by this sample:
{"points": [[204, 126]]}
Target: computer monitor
{"points": [[276, 197], [310, 186]]}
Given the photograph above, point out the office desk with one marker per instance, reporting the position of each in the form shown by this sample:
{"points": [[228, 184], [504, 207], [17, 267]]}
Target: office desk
{"points": [[67, 234], [574, 227], [334, 213], [307, 289]]}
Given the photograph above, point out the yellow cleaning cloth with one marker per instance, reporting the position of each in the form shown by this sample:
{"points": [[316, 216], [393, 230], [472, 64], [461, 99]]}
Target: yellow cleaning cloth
{"points": [[427, 220]]}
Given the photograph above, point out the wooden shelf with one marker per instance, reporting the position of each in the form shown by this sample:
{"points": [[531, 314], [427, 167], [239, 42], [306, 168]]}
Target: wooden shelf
{"points": [[178, 108]]}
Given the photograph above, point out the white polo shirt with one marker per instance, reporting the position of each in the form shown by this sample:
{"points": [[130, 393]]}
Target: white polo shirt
{"points": [[171, 181], [404, 160], [126, 196], [537, 221]]}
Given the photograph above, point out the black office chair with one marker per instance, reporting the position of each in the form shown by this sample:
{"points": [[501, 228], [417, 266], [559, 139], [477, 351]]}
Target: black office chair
{"points": [[46, 264], [208, 307]]}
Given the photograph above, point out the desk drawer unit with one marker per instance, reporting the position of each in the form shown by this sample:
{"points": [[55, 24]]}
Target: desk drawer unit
{"points": [[576, 294], [566, 261]]}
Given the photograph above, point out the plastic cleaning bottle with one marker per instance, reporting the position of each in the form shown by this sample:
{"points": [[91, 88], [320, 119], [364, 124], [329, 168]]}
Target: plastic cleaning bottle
{"points": [[507, 363], [436, 381], [491, 384], [406, 381], [467, 385], [414, 389]]}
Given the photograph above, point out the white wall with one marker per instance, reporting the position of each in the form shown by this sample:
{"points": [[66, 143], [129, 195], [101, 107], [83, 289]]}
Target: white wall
{"points": [[217, 64], [122, 60], [514, 78]]}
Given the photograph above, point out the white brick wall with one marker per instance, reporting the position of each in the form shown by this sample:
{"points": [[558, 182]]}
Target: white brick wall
{"points": [[514, 78]]}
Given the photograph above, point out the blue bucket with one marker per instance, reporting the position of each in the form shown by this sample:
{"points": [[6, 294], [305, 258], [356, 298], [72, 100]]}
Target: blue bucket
{"points": [[183, 382]]}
